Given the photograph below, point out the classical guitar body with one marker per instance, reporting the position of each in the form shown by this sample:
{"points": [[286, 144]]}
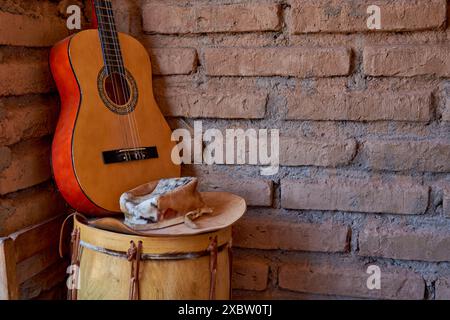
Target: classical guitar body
{"points": [[111, 135]]}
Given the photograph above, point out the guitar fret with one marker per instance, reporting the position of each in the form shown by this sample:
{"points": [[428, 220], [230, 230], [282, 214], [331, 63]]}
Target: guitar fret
{"points": [[109, 39], [108, 49], [108, 23], [109, 57]]}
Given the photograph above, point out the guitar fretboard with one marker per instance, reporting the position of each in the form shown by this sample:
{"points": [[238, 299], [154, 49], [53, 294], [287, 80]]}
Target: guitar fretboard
{"points": [[112, 54]]}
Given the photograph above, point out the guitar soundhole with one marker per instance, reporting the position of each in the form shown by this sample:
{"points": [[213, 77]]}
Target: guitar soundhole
{"points": [[117, 89]]}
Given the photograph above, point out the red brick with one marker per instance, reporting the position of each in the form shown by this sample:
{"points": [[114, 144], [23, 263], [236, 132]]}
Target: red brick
{"points": [[210, 103], [345, 194], [442, 291], [250, 274], [273, 233], [27, 117], [399, 155], [162, 18], [172, 61], [127, 16], [349, 280], [340, 16], [407, 60], [5, 157], [295, 151], [30, 165], [361, 106], [293, 61], [17, 78], [22, 30], [397, 242], [27, 208], [256, 192]]}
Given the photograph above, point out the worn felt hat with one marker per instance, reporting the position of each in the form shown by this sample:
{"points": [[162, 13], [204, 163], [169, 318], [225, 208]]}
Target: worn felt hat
{"points": [[226, 208]]}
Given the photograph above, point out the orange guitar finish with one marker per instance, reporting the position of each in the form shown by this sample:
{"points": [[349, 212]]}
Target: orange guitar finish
{"points": [[87, 127]]}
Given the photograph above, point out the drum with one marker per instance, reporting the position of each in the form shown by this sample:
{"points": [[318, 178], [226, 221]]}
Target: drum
{"points": [[117, 266]]}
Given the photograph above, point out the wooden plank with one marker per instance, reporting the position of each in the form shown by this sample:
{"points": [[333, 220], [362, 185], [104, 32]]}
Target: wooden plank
{"points": [[8, 282], [44, 281], [37, 263], [30, 241]]}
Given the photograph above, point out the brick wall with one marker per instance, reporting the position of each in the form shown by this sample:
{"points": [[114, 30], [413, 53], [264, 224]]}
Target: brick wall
{"points": [[363, 117], [31, 209], [365, 138]]}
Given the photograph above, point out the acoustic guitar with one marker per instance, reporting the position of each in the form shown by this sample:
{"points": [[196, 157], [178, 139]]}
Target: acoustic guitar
{"points": [[111, 135]]}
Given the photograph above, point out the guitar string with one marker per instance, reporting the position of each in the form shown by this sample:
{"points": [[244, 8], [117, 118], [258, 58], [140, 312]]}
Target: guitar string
{"points": [[135, 132], [115, 91], [125, 87], [116, 49], [133, 116]]}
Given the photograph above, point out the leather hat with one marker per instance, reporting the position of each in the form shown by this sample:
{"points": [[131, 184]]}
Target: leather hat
{"points": [[226, 208]]}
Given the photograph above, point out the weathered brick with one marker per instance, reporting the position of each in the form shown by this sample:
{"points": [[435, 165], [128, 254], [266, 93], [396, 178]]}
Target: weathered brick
{"points": [[265, 233], [442, 291], [397, 242], [30, 165], [22, 30], [349, 280], [27, 117], [17, 78], [294, 61], [256, 192], [398, 155], [446, 111], [127, 16], [172, 61], [338, 16], [162, 18], [316, 152], [250, 275], [361, 106], [354, 195], [27, 208], [407, 60], [5, 157], [213, 104], [446, 201]]}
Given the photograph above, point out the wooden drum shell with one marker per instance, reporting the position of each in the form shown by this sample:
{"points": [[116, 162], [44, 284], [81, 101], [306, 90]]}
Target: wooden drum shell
{"points": [[172, 268]]}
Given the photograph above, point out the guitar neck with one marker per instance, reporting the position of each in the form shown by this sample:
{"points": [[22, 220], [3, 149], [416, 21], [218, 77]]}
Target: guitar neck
{"points": [[112, 54]]}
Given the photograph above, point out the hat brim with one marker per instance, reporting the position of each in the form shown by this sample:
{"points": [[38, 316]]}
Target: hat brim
{"points": [[227, 209]]}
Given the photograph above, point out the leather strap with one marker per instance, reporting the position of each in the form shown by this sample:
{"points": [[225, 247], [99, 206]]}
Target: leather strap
{"points": [[212, 249], [75, 262], [76, 251], [230, 266], [134, 256], [63, 227]]}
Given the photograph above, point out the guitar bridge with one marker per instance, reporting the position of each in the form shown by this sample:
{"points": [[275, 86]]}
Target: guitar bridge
{"points": [[127, 155]]}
